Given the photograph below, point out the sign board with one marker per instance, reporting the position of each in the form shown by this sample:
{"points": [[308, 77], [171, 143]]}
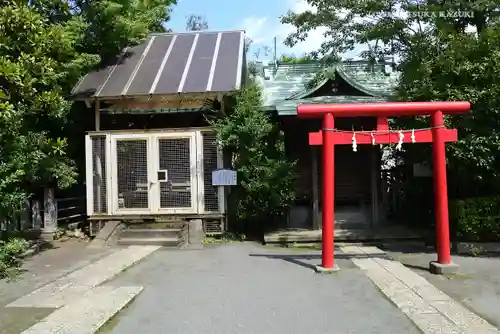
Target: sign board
{"points": [[224, 177]]}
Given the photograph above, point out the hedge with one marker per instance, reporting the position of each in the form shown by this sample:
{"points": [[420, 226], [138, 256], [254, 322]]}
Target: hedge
{"points": [[476, 219]]}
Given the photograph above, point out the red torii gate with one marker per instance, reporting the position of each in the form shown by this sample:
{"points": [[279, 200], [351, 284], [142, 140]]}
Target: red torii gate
{"points": [[437, 135]]}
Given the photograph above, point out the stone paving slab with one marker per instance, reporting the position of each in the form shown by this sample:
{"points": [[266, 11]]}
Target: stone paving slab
{"points": [[88, 314], [74, 285], [428, 307], [476, 285]]}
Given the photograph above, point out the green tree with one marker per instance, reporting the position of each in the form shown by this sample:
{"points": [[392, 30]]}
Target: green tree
{"points": [[439, 60], [196, 23], [256, 144], [45, 46], [37, 63]]}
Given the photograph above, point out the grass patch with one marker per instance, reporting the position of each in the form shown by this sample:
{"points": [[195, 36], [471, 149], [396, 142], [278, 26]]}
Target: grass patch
{"points": [[224, 238], [10, 257]]}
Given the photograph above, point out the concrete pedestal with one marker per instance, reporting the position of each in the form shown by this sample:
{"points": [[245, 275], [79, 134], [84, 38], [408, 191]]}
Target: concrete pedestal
{"points": [[443, 269], [195, 234], [322, 270]]}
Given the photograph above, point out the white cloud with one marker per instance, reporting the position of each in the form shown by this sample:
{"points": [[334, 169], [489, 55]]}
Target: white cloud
{"points": [[255, 28], [262, 31]]}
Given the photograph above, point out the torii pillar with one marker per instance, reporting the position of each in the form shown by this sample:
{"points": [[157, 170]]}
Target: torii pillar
{"points": [[438, 135]]}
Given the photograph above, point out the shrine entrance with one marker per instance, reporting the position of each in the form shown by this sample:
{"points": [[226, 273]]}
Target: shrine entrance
{"points": [[437, 134]]}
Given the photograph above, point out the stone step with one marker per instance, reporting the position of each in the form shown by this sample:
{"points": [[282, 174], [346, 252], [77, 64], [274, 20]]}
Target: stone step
{"points": [[165, 242], [152, 233], [158, 225]]}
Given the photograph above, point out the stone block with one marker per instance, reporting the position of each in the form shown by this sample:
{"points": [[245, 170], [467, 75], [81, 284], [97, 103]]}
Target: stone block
{"points": [[443, 269], [195, 234]]}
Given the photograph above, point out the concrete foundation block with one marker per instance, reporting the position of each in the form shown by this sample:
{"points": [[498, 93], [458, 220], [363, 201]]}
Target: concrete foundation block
{"points": [[47, 235], [443, 269], [195, 234], [322, 270]]}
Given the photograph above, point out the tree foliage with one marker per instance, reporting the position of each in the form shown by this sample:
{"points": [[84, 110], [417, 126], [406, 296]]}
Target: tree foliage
{"points": [[196, 23], [256, 145], [448, 50], [45, 46]]}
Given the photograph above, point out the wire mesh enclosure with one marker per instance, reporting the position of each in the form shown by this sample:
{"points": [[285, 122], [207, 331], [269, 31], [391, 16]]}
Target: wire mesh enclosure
{"points": [[211, 193], [153, 173], [174, 174], [99, 177], [132, 173]]}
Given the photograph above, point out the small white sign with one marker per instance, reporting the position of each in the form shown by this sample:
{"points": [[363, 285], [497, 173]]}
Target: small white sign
{"points": [[224, 177]]}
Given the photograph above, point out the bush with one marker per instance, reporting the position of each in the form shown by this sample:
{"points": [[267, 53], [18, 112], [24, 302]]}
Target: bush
{"points": [[476, 219], [265, 174], [10, 261]]}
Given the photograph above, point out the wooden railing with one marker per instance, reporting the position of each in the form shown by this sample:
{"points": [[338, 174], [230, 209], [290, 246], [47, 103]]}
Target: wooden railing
{"points": [[48, 215], [70, 211]]}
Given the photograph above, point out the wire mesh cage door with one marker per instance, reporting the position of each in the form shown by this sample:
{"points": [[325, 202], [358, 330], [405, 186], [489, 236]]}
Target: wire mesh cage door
{"points": [[132, 184], [176, 173]]}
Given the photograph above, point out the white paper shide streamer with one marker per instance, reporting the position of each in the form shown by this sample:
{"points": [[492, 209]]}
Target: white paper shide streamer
{"points": [[354, 143], [399, 146]]}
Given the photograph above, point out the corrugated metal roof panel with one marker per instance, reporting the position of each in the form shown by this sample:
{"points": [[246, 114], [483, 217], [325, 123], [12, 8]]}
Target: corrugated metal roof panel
{"points": [[146, 74], [194, 62], [123, 69]]}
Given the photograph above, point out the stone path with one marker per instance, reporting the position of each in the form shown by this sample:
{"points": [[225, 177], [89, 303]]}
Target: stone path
{"points": [[39, 270], [67, 288], [476, 285], [429, 308], [246, 288], [86, 314], [74, 304]]}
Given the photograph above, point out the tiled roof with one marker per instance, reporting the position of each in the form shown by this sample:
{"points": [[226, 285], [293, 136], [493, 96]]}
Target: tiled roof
{"points": [[289, 107], [171, 63], [285, 80], [288, 81]]}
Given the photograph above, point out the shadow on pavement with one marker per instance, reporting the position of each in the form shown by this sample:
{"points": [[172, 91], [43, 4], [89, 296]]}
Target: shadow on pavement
{"points": [[301, 259]]}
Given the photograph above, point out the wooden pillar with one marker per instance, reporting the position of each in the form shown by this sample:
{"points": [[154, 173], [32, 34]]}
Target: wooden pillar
{"points": [[315, 186], [97, 115]]}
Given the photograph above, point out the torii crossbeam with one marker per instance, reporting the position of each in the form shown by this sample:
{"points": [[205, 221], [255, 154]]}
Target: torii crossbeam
{"points": [[437, 134]]}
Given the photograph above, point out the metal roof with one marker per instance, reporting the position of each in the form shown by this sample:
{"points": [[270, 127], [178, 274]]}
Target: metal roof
{"points": [[171, 63]]}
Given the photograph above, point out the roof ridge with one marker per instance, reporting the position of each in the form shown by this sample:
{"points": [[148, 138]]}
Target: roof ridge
{"points": [[193, 32]]}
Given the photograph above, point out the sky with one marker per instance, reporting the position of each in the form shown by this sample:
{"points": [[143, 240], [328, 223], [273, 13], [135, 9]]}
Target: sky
{"points": [[259, 19]]}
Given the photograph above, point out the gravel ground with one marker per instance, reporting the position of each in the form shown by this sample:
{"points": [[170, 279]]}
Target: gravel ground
{"points": [[248, 288], [476, 286]]}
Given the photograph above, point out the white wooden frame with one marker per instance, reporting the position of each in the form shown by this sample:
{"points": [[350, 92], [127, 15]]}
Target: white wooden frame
{"points": [[113, 189], [194, 169], [89, 175], [197, 174]]}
